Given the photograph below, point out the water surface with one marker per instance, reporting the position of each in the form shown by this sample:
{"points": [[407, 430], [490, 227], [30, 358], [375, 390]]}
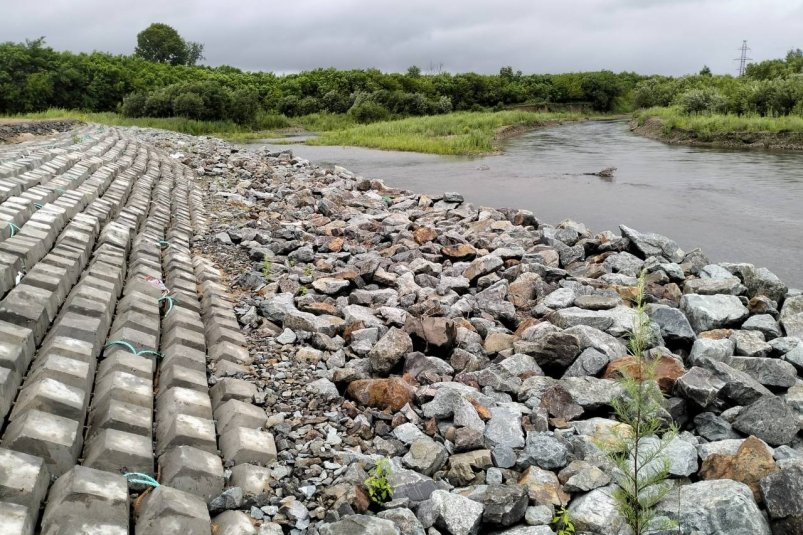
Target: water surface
{"points": [[738, 206]]}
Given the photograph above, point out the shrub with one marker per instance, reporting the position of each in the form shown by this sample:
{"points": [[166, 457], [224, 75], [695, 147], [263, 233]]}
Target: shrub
{"points": [[702, 101], [369, 112], [308, 105], [379, 488], [288, 106], [335, 102], [188, 105], [158, 104], [244, 106], [134, 104], [653, 92], [442, 105]]}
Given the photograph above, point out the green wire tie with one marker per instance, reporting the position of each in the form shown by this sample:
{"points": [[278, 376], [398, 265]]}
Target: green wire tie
{"points": [[142, 479], [132, 349], [164, 244], [170, 300], [37, 205], [14, 229], [60, 191]]}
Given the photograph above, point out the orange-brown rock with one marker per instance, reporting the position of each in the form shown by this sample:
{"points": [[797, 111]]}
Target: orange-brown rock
{"points": [[461, 251], [424, 234], [752, 462], [543, 487], [392, 393], [716, 334], [346, 275], [666, 370], [350, 328], [525, 324], [319, 308], [483, 411]]}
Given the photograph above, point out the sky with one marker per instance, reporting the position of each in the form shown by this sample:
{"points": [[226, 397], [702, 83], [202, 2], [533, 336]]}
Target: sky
{"points": [[671, 37]]}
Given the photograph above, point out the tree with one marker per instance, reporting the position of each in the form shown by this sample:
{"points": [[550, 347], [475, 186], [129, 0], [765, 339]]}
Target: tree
{"points": [[163, 44], [705, 71]]}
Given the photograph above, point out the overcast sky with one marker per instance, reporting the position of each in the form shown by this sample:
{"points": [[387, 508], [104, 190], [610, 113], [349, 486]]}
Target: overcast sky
{"points": [[541, 36]]}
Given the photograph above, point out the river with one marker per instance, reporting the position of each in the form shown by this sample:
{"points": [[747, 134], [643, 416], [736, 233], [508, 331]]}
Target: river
{"points": [[738, 206]]}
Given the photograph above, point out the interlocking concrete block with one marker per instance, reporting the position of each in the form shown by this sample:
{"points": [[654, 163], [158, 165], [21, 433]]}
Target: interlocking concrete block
{"points": [[179, 376], [185, 430], [55, 439], [85, 500], [126, 362], [169, 511], [243, 445], [71, 372], [253, 479], [192, 470], [51, 396], [230, 388], [186, 357], [9, 384], [230, 352], [69, 347], [233, 523], [23, 480], [125, 387], [179, 400], [15, 519], [111, 413], [180, 336], [17, 347], [29, 307], [235, 413], [221, 331], [114, 450]]}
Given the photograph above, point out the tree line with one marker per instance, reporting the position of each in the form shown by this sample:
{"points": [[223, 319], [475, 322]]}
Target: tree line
{"points": [[161, 80]]}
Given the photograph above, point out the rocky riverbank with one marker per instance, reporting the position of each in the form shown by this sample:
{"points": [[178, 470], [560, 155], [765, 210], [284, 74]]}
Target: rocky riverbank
{"points": [[477, 349], [654, 128], [16, 131]]}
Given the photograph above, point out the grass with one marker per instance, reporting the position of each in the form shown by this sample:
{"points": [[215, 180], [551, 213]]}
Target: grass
{"points": [[462, 133], [710, 125]]}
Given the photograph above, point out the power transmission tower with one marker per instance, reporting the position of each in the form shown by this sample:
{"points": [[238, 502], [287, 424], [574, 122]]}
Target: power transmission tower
{"points": [[743, 59]]}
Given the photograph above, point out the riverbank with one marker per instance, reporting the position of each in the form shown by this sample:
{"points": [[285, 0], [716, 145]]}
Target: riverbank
{"points": [[720, 130], [461, 133]]}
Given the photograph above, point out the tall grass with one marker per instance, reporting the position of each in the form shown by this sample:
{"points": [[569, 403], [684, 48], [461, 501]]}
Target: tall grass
{"points": [[462, 133], [713, 124]]}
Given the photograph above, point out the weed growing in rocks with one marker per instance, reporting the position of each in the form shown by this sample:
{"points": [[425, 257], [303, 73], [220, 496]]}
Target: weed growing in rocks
{"points": [[563, 522], [379, 488], [267, 269], [642, 469]]}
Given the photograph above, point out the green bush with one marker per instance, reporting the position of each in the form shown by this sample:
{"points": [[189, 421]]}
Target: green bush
{"points": [[653, 92], [308, 105], [134, 104], [288, 106], [188, 105], [702, 101], [244, 106], [158, 104], [369, 112]]}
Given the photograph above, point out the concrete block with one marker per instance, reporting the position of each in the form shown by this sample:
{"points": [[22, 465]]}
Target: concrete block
{"points": [[71, 372], [233, 523], [243, 445], [23, 479], [16, 519], [253, 479], [125, 361], [230, 388], [185, 430], [111, 413], [85, 500], [168, 511], [17, 347], [192, 470], [125, 387], [9, 384], [179, 376], [186, 357], [230, 352], [51, 396], [55, 439], [114, 450], [235, 413], [179, 400]]}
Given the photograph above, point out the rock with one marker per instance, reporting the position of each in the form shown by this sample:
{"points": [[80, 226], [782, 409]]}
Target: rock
{"points": [[425, 456], [404, 519], [760, 281], [385, 394], [436, 334], [504, 427], [551, 349], [675, 327], [324, 387], [792, 316], [739, 386], [711, 427], [680, 454], [389, 350], [523, 290], [424, 234], [653, 244], [748, 465], [750, 344], [768, 372], [624, 263], [538, 515], [498, 341], [592, 393], [545, 451], [359, 525], [765, 324], [706, 312], [482, 266], [330, 285], [559, 403], [597, 302], [456, 514], [408, 433], [705, 348], [770, 419], [408, 484], [543, 486], [560, 298], [462, 466], [714, 507], [230, 499], [590, 362], [596, 512], [287, 337], [783, 495], [459, 252], [699, 385], [504, 504], [665, 370], [582, 476]]}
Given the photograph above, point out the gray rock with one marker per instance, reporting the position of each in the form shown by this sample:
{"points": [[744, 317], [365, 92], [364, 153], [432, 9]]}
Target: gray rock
{"points": [[560, 298], [538, 515], [592, 393], [750, 344], [770, 419], [408, 433], [675, 328], [795, 358], [759, 281], [389, 350], [706, 312], [482, 266], [544, 450], [603, 342], [792, 316], [705, 348], [425, 456], [624, 263], [286, 337], [582, 476], [551, 349], [699, 385], [653, 244], [528, 530], [324, 388], [711, 427], [768, 372], [739, 387], [230, 499], [452, 196], [503, 456], [783, 493], [589, 363], [359, 525], [597, 513], [330, 285], [504, 504], [504, 427], [404, 519], [597, 302], [715, 507], [456, 514], [410, 484], [681, 455], [765, 324]]}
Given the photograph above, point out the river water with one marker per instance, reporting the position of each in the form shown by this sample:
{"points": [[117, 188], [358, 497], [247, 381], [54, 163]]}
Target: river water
{"points": [[738, 206]]}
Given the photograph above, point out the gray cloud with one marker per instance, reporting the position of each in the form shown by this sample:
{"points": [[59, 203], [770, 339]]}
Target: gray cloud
{"points": [[647, 36]]}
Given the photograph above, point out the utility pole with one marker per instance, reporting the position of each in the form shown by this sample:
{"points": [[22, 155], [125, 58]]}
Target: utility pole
{"points": [[743, 59]]}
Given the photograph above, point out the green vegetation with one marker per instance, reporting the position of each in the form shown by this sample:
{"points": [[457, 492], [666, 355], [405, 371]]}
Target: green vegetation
{"points": [[455, 133], [563, 522], [267, 269], [709, 124], [162, 43], [379, 488], [642, 469]]}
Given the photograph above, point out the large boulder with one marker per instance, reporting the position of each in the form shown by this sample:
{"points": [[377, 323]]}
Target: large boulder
{"points": [[434, 334], [783, 494], [359, 525], [389, 350], [647, 245], [751, 462], [456, 514], [770, 419], [392, 393], [792, 316], [707, 312], [597, 513], [675, 327]]}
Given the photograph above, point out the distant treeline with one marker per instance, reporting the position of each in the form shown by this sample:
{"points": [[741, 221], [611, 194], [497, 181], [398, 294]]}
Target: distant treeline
{"points": [[34, 77]]}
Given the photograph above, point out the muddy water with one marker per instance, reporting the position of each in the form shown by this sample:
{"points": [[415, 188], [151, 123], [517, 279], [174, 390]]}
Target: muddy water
{"points": [[738, 206]]}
